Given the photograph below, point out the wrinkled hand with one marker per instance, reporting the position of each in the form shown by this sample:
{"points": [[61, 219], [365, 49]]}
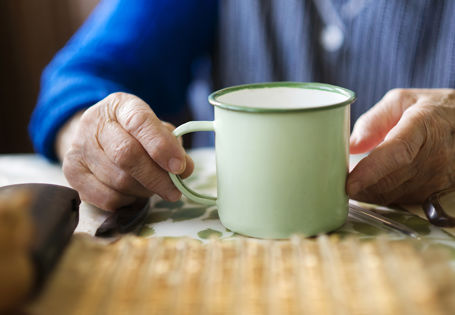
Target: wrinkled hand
{"points": [[411, 133], [121, 151]]}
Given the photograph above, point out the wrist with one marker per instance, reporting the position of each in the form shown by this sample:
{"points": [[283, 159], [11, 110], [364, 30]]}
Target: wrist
{"points": [[66, 134]]}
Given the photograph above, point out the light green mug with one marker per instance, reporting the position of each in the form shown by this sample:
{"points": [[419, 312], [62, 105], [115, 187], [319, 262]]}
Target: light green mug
{"points": [[282, 154]]}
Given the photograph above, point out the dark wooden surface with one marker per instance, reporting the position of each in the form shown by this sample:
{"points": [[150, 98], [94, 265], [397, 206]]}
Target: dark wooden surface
{"points": [[31, 33]]}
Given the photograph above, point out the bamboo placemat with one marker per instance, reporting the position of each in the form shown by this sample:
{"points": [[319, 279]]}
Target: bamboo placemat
{"points": [[324, 275]]}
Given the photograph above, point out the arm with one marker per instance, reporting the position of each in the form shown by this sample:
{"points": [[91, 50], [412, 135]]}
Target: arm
{"points": [[118, 149], [143, 47]]}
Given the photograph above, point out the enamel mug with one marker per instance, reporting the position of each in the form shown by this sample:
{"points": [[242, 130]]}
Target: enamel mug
{"points": [[282, 154]]}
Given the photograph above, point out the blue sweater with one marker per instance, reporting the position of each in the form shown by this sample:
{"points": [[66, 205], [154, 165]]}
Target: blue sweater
{"points": [[148, 47], [142, 47]]}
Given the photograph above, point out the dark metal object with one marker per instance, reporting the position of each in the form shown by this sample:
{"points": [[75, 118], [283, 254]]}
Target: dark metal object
{"points": [[55, 214], [435, 211], [124, 220]]}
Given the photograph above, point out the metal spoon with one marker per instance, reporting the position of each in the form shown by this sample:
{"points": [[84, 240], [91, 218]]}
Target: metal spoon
{"points": [[371, 216]]}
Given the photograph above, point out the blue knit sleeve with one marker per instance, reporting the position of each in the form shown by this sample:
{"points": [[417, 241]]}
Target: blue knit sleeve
{"points": [[144, 47]]}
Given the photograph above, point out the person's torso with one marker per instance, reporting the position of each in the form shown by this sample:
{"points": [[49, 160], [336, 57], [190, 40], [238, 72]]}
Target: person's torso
{"points": [[368, 46]]}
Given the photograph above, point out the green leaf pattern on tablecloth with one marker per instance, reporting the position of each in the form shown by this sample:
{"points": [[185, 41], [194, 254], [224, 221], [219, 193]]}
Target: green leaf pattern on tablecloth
{"points": [[146, 231], [213, 215], [209, 233], [187, 218], [365, 228], [187, 213], [158, 216], [169, 204]]}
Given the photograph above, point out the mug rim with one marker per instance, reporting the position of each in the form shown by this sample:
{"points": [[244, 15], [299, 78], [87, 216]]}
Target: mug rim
{"points": [[303, 85]]}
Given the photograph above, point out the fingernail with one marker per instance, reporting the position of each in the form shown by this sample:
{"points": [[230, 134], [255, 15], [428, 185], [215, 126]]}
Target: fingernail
{"points": [[354, 188], [176, 165]]}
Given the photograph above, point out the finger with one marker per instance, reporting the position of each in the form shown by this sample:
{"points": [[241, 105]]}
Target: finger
{"points": [[110, 174], [171, 128], [418, 189], [371, 128], [189, 167], [128, 154], [90, 189], [416, 196], [392, 180], [388, 188], [383, 198], [189, 162], [102, 196], [136, 117], [410, 191], [397, 151]]}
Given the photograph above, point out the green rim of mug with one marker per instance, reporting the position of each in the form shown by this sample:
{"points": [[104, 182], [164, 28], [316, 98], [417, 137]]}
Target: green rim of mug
{"points": [[213, 98]]}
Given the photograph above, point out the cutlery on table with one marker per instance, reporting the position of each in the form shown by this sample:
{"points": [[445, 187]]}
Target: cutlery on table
{"points": [[361, 213], [126, 219]]}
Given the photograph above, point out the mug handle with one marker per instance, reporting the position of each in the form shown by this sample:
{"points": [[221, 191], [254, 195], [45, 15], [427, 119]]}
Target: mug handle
{"points": [[188, 127]]}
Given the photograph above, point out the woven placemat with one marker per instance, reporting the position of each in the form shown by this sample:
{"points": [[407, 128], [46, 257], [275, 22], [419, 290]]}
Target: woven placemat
{"points": [[324, 275]]}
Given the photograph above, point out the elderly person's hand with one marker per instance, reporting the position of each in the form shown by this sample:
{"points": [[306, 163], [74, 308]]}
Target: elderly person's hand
{"points": [[411, 133], [118, 150]]}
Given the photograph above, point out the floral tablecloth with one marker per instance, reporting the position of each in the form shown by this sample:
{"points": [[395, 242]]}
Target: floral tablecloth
{"points": [[186, 218]]}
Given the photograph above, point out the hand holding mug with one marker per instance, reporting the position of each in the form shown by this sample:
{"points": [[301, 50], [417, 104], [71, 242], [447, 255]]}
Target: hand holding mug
{"points": [[121, 151], [411, 133]]}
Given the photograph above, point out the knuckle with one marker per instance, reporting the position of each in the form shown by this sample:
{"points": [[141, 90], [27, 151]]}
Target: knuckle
{"points": [[117, 96], [397, 94], [133, 113], [123, 182], [119, 103], [421, 112], [123, 154], [406, 152], [135, 120], [423, 119]]}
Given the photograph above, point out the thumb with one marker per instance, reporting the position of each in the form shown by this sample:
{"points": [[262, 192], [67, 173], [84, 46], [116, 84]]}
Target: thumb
{"points": [[372, 127]]}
